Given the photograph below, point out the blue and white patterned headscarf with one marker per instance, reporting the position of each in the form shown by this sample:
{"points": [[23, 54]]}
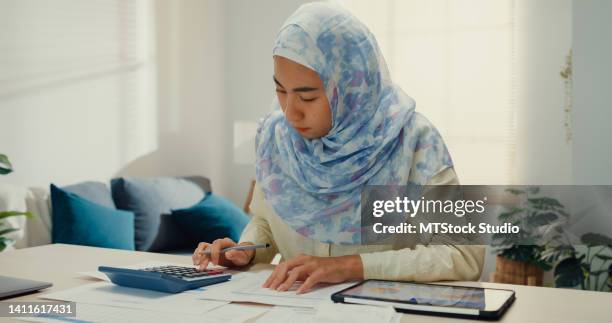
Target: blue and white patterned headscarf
{"points": [[314, 185]]}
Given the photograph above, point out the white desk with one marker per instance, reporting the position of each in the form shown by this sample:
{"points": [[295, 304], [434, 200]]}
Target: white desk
{"points": [[59, 263]]}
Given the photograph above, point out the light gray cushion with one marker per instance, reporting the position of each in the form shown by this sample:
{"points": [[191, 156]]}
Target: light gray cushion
{"points": [[151, 197], [96, 192]]}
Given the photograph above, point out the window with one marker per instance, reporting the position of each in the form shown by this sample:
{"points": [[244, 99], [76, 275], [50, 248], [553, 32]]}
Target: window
{"points": [[455, 58], [77, 75]]}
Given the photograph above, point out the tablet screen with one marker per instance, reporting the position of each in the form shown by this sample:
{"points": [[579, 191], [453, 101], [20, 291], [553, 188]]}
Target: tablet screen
{"points": [[422, 294]]}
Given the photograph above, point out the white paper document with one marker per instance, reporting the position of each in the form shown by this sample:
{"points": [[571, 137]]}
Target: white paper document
{"points": [[282, 314], [104, 293], [231, 313], [330, 312], [246, 287], [340, 312]]}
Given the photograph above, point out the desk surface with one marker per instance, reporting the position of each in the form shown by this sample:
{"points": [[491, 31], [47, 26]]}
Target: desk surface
{"points": [[59, 263]]}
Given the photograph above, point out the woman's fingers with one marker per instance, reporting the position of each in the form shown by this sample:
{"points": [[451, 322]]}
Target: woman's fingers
{"points": [[213, 253], [280, 274], [283, 269], [272, 276], [217, 246], [312, 270], [293, 276], [197, 256], [215, 250], [278, 271], [238, 257], [200, 259], [312, 280]]}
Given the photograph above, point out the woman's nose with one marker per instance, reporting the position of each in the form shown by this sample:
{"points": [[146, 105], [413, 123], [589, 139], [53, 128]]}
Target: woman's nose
{"points": [[292, 110]]}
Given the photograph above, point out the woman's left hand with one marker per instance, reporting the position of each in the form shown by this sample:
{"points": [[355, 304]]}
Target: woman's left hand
{"points": [[312, 270]]}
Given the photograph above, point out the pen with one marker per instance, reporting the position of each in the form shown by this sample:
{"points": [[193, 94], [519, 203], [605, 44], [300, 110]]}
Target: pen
{"points": [[242, 247]]}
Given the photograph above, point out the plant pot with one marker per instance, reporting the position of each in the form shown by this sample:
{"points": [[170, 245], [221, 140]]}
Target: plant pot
{"points": [[516, 272]]}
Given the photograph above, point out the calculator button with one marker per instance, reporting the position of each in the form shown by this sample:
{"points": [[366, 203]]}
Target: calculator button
{"points": [[184, 272]]}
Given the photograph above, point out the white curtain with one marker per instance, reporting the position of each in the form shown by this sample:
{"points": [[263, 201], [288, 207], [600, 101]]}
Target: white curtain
{"points": [[456, 58], [487, 73], [77, 87]]}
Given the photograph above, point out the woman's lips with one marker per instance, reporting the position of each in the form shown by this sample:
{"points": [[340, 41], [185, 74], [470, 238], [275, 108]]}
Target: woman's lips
{"points": [[301, 129]]}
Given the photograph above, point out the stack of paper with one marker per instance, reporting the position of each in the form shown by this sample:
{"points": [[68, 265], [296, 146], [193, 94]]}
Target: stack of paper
{"points": [[107, 302], [330, 312], [103, 293], [231, 313], [246, 287]]}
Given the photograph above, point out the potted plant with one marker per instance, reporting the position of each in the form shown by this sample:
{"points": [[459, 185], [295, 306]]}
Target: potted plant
{"points": [[519, 257], [588, 266], [5, 241]]}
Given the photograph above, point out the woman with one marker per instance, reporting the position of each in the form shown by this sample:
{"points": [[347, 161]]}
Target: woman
{"points": [[341, 124]]}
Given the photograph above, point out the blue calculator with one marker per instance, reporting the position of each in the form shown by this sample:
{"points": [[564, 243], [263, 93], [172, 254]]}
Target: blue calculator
{"points": [[167, 279]]}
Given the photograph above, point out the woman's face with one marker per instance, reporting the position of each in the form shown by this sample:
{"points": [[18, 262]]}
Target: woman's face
{"points": [[302, 98]]}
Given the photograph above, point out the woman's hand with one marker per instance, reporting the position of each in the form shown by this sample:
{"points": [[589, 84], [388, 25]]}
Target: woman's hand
{"points": [[312, 270], [232, 258]]}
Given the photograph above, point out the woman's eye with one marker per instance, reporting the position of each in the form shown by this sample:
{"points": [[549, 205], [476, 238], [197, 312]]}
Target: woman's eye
{"points": [[281, 91], [307, 100]]}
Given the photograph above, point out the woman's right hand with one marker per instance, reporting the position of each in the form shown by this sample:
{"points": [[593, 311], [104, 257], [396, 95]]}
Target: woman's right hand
{"points": [[232, 258]]}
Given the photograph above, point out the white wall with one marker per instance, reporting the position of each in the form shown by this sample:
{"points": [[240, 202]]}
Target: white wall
{"points": [[192, 104], [215, 69], [251, 28], [543, 39], [592, 88]]}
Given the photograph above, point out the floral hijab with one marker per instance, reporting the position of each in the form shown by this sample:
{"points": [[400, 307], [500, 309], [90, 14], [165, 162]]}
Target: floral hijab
{"points": [[314, 185]]}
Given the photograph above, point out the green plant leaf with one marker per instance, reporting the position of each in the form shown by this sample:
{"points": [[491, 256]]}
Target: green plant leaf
{"points": [[4, 241], [543, 264], [5, 165], [506, 215], [553, 254], [604, 257], [515, 191], [9, 230], [6, 214], [545, 203], [534, 190], [540, 219], [568, 273], [596, 239], [599, 272]]}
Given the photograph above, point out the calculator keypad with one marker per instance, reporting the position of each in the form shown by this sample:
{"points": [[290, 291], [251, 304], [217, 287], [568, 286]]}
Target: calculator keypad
{"points": [[187, 273]]}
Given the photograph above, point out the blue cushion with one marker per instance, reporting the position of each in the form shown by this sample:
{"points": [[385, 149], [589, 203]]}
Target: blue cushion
{"points": [[79, 221], [149, 198], [213, 218], [96, 192]]}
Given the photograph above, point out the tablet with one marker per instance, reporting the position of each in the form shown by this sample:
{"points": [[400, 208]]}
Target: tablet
{"points": [[433, 299]]}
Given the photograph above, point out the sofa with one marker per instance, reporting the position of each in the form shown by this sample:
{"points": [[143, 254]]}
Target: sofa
{"points": [[152, 201]]}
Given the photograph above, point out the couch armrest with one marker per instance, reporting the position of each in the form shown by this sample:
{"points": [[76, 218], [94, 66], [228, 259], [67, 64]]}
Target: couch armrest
{"points": [[12, 198], [38, 229]]}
